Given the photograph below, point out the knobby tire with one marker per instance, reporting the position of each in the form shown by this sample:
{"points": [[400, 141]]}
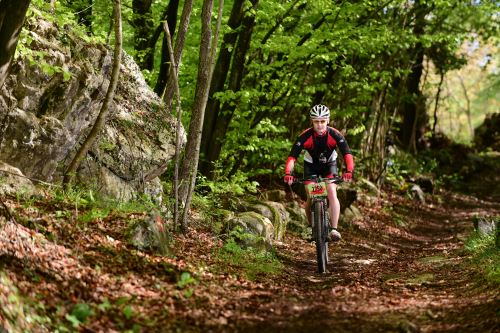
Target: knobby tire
{"points": [[320, 234]]}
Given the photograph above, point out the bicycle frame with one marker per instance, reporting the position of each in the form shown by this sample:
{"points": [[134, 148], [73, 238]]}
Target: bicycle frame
{"points": [[318, 194]]}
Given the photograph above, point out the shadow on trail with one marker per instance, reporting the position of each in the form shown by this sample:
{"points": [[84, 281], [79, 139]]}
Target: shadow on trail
{"points": [[392, 279]]}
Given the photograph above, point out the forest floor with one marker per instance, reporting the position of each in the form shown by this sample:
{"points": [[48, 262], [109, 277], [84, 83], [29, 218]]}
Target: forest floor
{"points": [[400, 268]]}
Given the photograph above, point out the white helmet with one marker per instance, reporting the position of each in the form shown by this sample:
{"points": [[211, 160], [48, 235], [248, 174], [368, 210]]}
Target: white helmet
{"points": [[319, 112]]}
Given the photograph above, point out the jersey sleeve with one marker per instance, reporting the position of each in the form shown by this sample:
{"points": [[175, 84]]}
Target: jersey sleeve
{"points": [[298, 145], [344, 149], [341, 142]]}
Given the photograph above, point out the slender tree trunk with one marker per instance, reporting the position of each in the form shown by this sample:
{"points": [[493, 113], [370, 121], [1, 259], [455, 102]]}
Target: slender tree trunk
{"points": [[174, 69], [220, 76], [12, 15], [101, 118], [372, 143], [205, 71], [179, 47], [215, 139], [441, 79], [163, 75], [171, 86], [411, 107]]}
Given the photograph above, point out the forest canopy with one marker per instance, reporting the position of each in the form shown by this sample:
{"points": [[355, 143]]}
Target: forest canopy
{"points": [[376, 64]]}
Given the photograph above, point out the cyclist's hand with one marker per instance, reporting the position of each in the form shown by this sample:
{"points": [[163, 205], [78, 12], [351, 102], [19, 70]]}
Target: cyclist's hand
{"points": [[347, 176], [288, 179]]}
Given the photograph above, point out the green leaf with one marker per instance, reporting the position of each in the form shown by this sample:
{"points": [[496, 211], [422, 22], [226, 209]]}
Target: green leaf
{"points": [[82, 311], [104, 306], [128, 312], [73, 320], [186, 279], [66, 75], [189, 292]]}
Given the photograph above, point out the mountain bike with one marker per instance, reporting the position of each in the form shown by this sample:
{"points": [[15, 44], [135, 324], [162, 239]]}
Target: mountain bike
{"points": [[318, 194]]}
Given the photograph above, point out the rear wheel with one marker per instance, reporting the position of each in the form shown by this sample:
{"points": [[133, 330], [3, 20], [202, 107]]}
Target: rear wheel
{"points": [[320, 235]]}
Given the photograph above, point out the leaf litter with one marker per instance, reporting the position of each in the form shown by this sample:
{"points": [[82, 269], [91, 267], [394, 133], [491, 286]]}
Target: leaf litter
{"points": [[413, 278]]}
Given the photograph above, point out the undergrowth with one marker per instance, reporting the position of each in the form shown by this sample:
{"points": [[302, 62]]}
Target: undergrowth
{"points": [[485, 255], [250, 261]]}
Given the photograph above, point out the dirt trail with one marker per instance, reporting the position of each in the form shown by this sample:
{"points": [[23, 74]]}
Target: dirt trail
{"points": [[389, 274], [381, 278]]}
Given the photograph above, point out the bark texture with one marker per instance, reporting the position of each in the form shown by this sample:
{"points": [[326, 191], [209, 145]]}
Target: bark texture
{"points": [[12, 15]]}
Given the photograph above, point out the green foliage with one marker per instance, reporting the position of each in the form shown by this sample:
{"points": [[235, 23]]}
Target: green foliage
{"points": [[405, 165], [254, 151], [237, 184], [94, 214], [128, 312], [343, 54], [185, 280], [99, 206], [106, 145], [18, 313], [186, 283], [485, 255], [79, 315]]}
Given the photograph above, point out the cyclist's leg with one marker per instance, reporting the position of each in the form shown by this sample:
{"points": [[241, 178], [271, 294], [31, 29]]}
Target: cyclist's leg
{"points": [[309, 172], [308, 211], [330, 172], [334, 205]]}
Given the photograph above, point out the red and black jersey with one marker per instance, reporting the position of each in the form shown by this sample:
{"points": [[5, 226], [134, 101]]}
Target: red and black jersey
{"points": [[320, 149]]}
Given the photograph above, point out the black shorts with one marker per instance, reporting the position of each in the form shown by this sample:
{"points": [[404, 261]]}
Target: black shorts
{"points": [[328, 170]]}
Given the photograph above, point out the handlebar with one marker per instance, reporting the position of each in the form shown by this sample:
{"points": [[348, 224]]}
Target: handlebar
{"points": [[335, 180]]}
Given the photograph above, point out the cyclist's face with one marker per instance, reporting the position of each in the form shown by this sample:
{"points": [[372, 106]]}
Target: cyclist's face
{"points": [[320, 125]]}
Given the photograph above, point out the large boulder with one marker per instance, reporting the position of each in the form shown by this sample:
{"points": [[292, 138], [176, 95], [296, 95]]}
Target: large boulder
{"points": [[12, 181], [274, 211], [51, 99], [281, 219], [298, 220], [251, 229]]}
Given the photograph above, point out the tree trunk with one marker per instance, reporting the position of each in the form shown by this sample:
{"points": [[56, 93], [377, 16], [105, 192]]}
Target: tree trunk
{"points": [[174, 77], [172, 85], [12, 15], [411, 118], [163, 75], [168, 92], [220, 120], [220, 75], [441, 79], [372, 144], [205, 71], [101, 118], [142, 21]]}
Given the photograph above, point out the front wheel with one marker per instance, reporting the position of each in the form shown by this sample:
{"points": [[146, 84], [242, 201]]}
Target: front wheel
{"points": [[320, 234]]}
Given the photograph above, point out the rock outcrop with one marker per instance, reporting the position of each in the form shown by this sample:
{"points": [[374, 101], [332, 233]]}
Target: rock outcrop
{"points": [[50, 101]]}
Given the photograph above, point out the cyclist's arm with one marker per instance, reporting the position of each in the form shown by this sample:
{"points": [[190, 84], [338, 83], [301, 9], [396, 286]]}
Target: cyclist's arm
{"points": [[297, 147], [345, 150]]}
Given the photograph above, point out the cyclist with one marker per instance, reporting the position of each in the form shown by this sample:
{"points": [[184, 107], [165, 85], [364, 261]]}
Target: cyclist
{"points": [[320, 160]]}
